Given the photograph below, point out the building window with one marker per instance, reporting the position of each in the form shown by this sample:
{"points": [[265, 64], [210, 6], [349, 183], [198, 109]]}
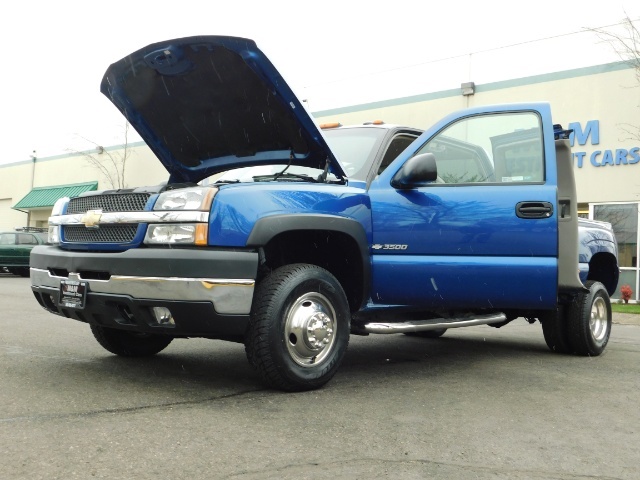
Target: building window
{"points": [[583, 210], [623, 217]]}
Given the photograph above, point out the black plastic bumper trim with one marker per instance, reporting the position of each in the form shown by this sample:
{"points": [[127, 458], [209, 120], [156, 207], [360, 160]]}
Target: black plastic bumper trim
{"points": [[192, 319]]}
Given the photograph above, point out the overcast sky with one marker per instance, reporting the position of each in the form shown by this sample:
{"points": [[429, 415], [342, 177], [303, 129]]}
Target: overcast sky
{"points": [[332, 53]]}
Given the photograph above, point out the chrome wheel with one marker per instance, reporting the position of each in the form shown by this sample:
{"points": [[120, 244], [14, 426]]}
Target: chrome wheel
{"points": [[299, 331], [599, 321], [588, 320], [309, 329]]}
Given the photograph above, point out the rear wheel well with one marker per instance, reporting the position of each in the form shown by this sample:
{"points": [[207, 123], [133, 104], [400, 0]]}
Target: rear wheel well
{"points": [[603, 268], [334, 251]]}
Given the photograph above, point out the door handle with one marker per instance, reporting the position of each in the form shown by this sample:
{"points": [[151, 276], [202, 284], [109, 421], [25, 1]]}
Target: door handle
{"points": [[534, 209]]}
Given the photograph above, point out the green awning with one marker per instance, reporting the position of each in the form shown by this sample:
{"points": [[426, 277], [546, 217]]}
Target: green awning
{"points": [[42, 197]]}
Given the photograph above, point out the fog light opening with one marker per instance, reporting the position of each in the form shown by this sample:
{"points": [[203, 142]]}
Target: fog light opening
{"points": [[126, 315], [163, 316], [48, 301]]}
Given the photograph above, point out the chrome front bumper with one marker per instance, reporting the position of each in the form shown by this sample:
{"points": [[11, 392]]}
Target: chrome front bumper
{"points": [[228, 296]]}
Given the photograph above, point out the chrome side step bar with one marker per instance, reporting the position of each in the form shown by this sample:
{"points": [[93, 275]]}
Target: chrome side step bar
{"points": [[434, 324]]}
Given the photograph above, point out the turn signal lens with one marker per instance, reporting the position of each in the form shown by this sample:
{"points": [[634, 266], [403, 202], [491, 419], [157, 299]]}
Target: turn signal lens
{"points": [[202, 232]]}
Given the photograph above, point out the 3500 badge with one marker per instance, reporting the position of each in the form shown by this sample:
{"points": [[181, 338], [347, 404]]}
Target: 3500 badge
{"points": [[389, 246]]}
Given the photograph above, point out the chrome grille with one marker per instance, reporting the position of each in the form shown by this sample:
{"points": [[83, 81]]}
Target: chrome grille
{"points": [[124, 202], [105, 234]]}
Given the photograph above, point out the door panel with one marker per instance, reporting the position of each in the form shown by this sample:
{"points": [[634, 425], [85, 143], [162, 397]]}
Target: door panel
{"points": [[455, 282], [465, 247], [462, 242]]}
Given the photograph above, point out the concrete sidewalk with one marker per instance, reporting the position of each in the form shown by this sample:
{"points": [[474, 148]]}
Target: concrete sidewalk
{"points": [[626, 318]]}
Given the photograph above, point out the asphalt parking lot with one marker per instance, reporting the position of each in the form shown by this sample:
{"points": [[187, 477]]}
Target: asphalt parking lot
{"points": [[479, 403]]}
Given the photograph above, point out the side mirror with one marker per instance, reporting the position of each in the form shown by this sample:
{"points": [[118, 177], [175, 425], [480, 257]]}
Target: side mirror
{"points": [[418, 171]]}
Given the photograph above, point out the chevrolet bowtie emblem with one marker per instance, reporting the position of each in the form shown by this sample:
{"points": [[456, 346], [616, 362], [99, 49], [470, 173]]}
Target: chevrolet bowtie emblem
{"points": [[91, 218]]}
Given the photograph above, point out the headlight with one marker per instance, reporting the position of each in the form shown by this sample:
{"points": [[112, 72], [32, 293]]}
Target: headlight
{"points": [[186, 199], [58, 207], [177, 233]]}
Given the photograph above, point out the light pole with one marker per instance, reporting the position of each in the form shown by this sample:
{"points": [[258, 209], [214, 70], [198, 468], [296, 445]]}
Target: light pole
{"points": [[34, 158]]}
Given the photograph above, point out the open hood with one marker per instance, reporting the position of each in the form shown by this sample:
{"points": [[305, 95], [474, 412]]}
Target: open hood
{"points": [[208, 104]]}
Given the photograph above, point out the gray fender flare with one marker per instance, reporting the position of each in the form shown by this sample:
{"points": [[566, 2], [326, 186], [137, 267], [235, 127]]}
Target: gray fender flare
{"points": [[267, 228]]}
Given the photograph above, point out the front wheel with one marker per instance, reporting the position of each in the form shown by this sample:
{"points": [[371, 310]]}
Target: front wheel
{"points": [[589, 320], [299, 328], [130, 344], [21, 271]]}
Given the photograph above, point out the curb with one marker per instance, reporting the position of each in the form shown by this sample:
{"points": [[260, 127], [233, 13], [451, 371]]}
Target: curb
{"points": [[626, 318]]}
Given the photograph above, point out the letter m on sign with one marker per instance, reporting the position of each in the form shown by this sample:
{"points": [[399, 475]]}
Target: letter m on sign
{"points": [[591, 129]]}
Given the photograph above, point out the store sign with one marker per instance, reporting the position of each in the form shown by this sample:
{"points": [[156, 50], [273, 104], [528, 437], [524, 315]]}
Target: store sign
{"points": [[599, 158]]}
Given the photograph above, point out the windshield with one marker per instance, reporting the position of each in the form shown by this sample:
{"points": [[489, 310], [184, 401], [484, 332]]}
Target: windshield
{"points": [[355, 148]]}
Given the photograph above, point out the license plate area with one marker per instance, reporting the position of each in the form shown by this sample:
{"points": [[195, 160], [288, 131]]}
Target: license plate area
{"points": [[73, 294]]}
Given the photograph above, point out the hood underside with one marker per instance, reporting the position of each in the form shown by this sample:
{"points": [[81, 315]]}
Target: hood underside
{"points": [[209, 104]]}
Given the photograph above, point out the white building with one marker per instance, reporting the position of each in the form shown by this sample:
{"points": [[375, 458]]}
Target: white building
{"points": [[601, 103]]}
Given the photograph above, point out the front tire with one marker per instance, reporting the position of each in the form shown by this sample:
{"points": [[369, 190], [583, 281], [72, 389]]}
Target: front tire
{"points": [[589, 320], [299, 328], [21, 271], [130, 344]]}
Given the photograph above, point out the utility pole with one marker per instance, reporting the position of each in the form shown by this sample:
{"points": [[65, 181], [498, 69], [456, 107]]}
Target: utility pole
{"points": [[34, 158]]}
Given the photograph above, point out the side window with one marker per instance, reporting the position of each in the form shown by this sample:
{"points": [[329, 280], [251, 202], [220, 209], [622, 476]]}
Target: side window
{"points": [[7, 239], [397, 145], [496, 148], [26, 239]]}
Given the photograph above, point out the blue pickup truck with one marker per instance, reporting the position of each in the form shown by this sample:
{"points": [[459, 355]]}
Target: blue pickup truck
{"points": [[289, 238]]}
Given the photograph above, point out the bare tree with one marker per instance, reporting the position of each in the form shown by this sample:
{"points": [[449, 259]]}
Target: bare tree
{"points": [[626, 43], [112, 164]]}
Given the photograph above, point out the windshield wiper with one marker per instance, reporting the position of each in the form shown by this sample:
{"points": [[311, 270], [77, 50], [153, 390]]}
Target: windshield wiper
{"points": [[285, 176], [291, 155], [220, 182]]}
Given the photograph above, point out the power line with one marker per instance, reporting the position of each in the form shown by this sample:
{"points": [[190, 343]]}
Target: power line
{"points": [[463, 55]]}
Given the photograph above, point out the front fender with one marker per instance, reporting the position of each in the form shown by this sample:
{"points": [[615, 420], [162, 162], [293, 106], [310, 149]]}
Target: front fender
{"points": [[237, 209], [269, 227]]}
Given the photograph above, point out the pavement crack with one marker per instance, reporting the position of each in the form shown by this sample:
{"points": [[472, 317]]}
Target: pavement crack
{"points": [[293, 470], [110, 411]]}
